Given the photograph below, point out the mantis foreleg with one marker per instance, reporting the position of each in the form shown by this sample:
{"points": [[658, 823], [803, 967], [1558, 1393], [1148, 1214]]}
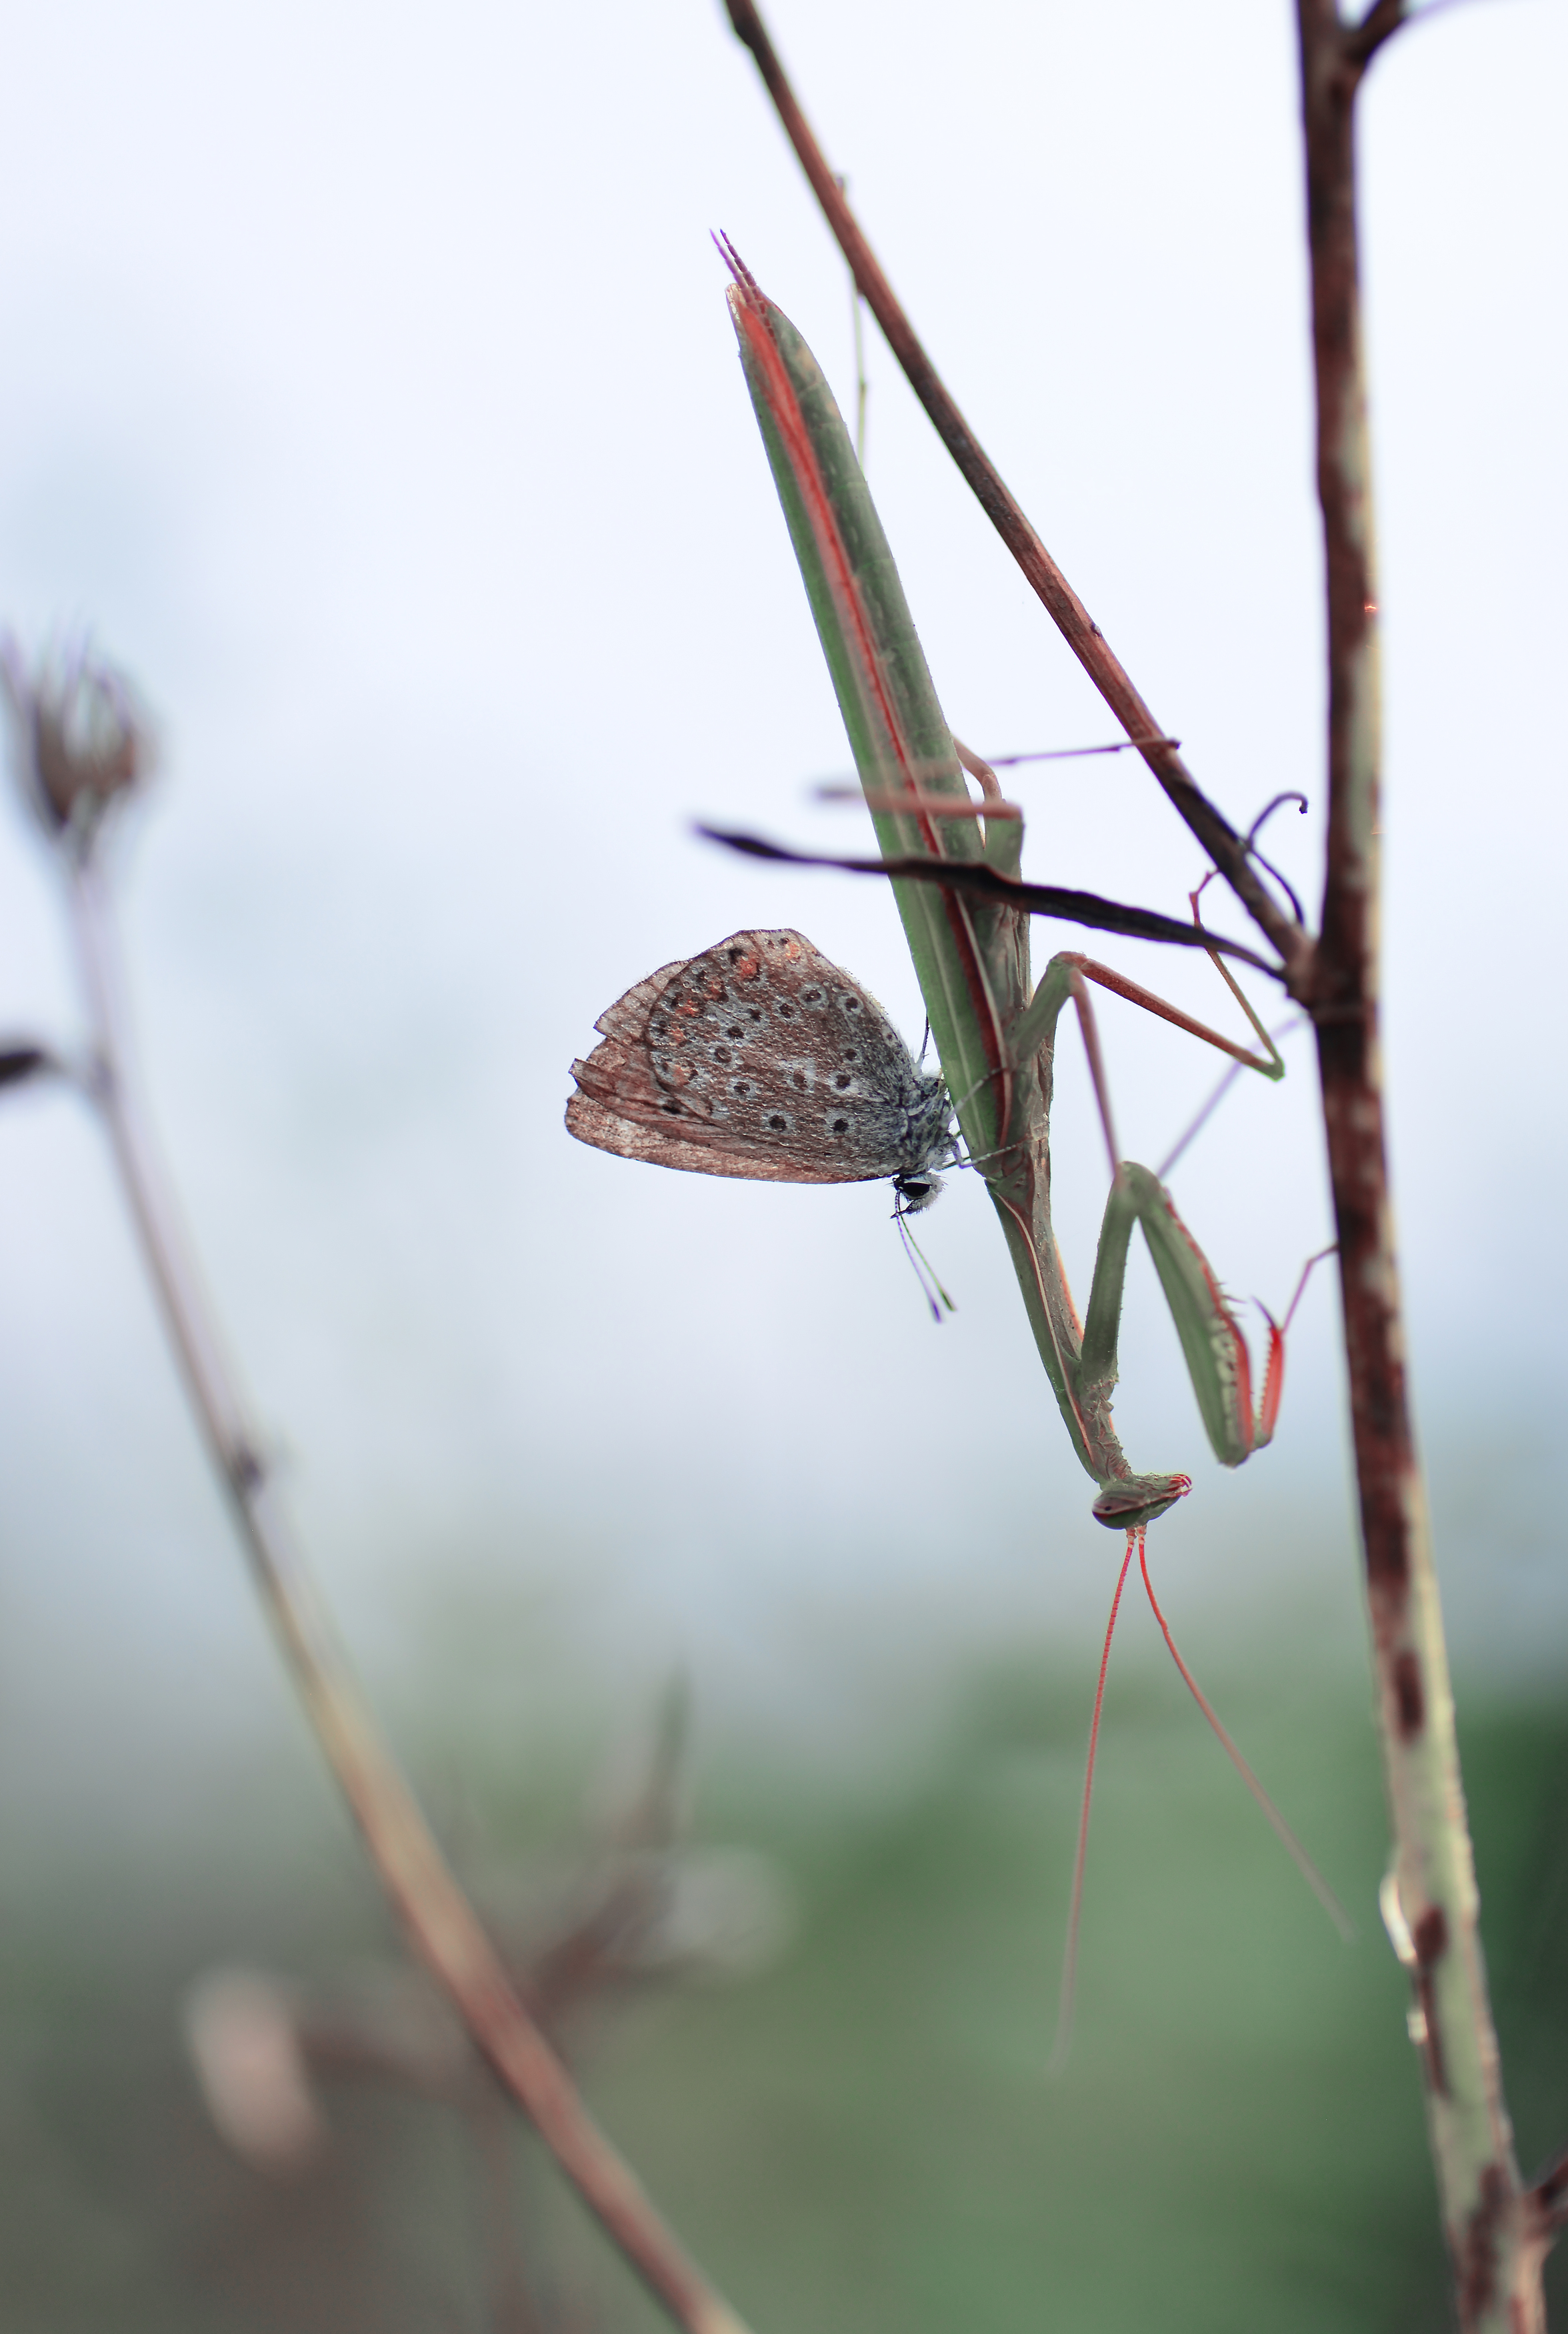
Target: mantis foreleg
{"points": [[1212, 1343]]}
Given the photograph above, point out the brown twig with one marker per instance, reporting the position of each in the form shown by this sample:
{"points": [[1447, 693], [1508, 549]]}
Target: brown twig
{"points": [[1224, 845], [1495, 2236], [1362, 42], [971, 879], [441, 1924]]}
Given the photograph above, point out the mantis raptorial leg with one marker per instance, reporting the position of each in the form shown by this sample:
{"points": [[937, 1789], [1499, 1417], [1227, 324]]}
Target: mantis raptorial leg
{"points": [[1212, 1343], [1215, 1350]]}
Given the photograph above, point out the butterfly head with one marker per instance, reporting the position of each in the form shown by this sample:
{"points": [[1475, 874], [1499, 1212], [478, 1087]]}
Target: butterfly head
{"points": [[933, 1145], [915, 1191]]}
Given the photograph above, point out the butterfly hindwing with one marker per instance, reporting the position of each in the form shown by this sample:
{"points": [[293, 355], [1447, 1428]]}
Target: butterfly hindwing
{"points": [[759, 1058]]}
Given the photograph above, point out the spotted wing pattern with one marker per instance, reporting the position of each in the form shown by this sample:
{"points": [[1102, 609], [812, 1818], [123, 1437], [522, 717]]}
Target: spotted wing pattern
{"points": [[759, 1058]]}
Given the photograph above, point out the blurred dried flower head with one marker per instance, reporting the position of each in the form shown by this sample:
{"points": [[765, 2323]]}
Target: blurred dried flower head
{"points": [[84, 739], [245, 2047]]}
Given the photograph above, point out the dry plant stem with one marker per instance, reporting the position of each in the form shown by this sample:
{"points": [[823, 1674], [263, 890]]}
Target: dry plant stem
{"points": [[441, 1924], [1084, 636], [1495, 2233]]}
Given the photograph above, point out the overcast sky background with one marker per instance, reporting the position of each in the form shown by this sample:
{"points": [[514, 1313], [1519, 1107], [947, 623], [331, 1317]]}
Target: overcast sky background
{"points": [[366, 387]]}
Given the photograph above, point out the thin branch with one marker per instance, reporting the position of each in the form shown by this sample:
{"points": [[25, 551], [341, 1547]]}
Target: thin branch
{"points": [[1362, 42], [1381, 22], [971, 879], [1219, 839], [442, 1926], [1431, 1905]]}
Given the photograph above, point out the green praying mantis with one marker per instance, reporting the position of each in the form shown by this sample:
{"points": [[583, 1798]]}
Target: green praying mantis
{"points": [[954, 864]]}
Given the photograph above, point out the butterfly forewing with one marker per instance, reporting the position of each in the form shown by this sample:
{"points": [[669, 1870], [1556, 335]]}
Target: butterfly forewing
{"points": [[759, 1058]]}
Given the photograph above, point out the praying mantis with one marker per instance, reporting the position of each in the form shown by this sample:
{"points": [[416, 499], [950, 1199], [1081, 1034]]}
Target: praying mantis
{"points": [[954, 865]]}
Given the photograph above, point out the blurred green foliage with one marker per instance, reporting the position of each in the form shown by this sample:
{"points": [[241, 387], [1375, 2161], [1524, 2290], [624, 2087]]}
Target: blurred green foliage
{"points": [[861, 2135]]}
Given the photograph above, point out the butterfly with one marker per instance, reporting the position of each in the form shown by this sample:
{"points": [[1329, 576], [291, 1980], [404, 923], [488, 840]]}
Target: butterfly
{"points": [[759, 1058]]}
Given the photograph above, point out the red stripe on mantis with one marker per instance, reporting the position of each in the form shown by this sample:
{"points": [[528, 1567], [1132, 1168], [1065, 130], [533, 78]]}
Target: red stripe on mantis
{"points": [[786, 408], [1273, 1381], [1273, 1376], [750, 307]]}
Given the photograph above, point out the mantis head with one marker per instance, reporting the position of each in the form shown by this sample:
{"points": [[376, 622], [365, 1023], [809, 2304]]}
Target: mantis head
{"points": [[1132, 1502]]}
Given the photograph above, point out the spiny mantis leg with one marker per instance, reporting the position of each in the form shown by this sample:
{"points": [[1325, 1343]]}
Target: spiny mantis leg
{"points": [[1212, 1344]]}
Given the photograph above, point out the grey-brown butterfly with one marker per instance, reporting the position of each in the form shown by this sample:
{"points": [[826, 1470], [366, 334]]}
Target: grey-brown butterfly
{"points": [[759, 1058]]}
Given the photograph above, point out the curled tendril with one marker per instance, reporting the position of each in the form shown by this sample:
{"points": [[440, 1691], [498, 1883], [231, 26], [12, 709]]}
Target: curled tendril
{"points": [[1266, 812]]}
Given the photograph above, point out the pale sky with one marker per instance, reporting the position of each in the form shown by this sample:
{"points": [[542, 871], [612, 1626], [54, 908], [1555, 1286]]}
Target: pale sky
{"points": [[367, 389]]}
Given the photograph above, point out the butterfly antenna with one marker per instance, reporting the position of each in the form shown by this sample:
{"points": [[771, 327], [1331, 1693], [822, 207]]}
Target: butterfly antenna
{"points": [[912, 1244], [917, 1259], [1063, 2041], [1294, 1849]]}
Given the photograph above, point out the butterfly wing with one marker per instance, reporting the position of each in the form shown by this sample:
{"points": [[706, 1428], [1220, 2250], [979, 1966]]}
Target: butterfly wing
{"points": [[747, 1061], [620, 1106]]}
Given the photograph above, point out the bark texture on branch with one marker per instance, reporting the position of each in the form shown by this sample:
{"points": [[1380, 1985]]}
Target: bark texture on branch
{"points": [[1495, 2233]]}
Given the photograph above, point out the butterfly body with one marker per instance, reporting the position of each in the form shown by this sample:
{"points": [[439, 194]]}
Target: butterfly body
{"points": [[760, 1059]]}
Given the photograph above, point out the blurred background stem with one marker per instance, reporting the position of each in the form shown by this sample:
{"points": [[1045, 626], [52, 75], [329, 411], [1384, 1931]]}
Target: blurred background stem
{"points": [[441, 1925]]}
